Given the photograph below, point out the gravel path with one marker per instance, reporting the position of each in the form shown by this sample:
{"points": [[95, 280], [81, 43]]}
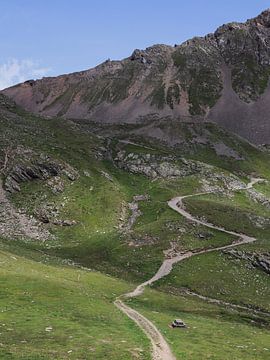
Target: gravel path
{"points": [[161, 350]]}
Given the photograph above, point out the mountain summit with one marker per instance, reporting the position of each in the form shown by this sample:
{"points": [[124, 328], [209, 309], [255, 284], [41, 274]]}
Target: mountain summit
{"points": [[222, 77]]}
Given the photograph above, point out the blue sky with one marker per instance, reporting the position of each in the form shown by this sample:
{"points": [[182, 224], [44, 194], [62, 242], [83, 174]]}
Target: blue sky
{"points": [[52, 37]]}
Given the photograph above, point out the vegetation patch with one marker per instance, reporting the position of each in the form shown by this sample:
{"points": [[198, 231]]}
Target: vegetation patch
{"points": [[204, 90]]}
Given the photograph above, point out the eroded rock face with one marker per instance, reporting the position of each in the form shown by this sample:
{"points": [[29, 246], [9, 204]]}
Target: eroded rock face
{"points": [[14, 224], [26, 165], [22, 173], [135, 211]]}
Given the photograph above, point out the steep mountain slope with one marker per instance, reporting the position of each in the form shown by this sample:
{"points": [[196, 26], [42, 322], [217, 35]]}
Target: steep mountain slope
{"points": [[222, 77]]}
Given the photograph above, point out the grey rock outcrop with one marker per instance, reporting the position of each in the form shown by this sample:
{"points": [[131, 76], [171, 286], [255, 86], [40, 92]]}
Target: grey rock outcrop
{"points": [[26, 165], [22, 173], [259, 260], [158, 166], [155, 166], [15, 224]]}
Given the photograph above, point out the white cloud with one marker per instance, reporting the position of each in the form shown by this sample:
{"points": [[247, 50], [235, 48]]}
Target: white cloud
{"points": [[15, 71]]}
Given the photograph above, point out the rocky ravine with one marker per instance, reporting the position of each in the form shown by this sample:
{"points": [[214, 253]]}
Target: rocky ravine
{"points": [[222, 77], [160, 348], [15, 224]]}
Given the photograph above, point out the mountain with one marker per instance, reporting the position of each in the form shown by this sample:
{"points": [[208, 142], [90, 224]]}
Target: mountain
{"points": [[222, 77], [123, 207]]}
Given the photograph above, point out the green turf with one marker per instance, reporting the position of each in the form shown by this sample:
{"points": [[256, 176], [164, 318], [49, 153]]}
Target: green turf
{"points": [[221, 276], [75, 306], [213, 332]]}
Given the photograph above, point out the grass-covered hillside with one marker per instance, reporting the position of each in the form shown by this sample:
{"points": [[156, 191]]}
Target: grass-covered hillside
{"points": [[84, 219], [60, 312]]}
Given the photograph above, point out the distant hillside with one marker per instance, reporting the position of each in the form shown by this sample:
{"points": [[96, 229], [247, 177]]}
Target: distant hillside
{"points": [[222, 77]]}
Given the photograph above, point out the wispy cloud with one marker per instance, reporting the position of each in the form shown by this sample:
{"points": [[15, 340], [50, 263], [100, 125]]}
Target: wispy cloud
{"points": [[15, 71]]}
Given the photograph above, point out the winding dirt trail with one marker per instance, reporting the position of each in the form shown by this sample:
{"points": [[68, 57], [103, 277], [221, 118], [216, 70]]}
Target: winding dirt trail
{"points": [[161, 349]]}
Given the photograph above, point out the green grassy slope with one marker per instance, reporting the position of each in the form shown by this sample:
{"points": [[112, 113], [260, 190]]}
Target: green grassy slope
{"points": [[213, 332], [78, 305], [50, 312]]}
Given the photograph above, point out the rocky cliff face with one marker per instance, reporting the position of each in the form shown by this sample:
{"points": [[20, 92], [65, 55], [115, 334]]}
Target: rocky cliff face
{"points": [[222, 77]]}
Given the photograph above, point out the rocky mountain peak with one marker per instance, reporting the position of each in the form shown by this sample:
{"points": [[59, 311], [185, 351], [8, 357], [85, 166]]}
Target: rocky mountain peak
{"points": [[264, 18]]}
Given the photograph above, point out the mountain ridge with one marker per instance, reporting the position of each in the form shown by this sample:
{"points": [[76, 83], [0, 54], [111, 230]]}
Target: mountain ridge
{"points": [[222, 77]]}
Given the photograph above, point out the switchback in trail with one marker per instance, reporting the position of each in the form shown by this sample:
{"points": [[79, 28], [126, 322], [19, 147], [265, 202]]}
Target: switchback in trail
{"points": [[161, 349]]}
